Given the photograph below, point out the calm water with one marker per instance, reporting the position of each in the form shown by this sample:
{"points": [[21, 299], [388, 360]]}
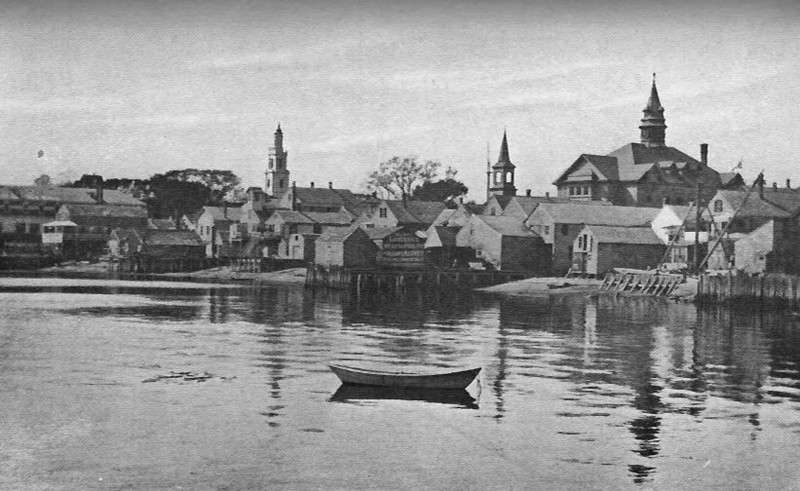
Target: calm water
{"points": [[576, 393]]}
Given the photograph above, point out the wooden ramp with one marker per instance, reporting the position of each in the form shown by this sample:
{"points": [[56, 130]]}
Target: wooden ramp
{"points": [[641, 283]]}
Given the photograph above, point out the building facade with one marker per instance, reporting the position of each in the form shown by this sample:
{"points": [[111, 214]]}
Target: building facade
{"points": [[648, 173]]}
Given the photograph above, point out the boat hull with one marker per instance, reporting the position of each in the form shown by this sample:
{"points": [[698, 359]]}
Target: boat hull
{"points": [[377, 378]]}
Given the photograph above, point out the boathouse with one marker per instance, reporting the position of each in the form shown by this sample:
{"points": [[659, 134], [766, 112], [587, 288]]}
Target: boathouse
{"points": [[598, 249], [505, 244], [350, 248]]}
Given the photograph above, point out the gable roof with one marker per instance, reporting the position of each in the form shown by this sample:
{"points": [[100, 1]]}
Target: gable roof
{"points": [[755, 206], [415, 212], [624, 235], [171, 238], [787, 199], [378, 233], [233, 213], [340, 234], [638, 153], [446, 236], [96, 211], [290, 216], [506, 226], [625, 216], [328, 217]]}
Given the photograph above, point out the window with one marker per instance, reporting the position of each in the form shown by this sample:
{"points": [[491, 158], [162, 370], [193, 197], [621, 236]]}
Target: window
{"points": [[591, 243], [547, 229], [497, 177], [580, 242], [492, 212], [509, 177], [317, 228], [19, 227], [33, 228], [271, 164], [718, 206], [270, 228], [564, 229], [382, 212]]}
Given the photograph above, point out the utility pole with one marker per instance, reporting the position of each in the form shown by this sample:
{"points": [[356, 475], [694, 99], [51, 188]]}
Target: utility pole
{"points": [[697, 230]]}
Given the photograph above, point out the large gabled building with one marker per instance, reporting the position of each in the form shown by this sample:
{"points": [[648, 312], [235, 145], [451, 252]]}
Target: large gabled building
{"points": [[648, 173]]}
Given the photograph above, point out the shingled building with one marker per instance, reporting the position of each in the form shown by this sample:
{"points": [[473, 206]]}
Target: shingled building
{"points": [[648, 173]]}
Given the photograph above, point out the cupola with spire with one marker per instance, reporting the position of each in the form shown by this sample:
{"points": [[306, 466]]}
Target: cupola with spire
{"points": [[277, 175], [653, 125], [502, 173]]}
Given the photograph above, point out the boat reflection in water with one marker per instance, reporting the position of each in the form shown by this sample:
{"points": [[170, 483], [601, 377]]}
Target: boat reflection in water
{"points": [[358, 394]]}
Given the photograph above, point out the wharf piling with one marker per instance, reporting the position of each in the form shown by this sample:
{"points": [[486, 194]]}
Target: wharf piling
{"points": [[363, 280], [741, 289]]}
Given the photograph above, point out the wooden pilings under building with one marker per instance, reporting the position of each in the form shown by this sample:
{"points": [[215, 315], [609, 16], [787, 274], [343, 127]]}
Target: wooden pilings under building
{"points": [[742, 289], [362, 280]]}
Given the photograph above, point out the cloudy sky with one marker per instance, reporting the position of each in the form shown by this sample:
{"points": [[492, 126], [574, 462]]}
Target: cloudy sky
{"points": [[132, 88]]}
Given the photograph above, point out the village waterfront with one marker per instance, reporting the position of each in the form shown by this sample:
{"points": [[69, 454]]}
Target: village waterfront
{"points": [[135, 385]]}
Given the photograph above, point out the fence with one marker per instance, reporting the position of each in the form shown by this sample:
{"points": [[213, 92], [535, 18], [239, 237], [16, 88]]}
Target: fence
{"points": [[773, 288]]}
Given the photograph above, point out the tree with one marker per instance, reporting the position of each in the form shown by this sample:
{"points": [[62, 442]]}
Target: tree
{"points": [[442, 190], [398, 177], [169, 197]]}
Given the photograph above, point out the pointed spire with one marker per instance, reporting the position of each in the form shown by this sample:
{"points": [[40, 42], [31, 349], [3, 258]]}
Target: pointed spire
{"points": [[654, 103], [279, 128], [504, 160], [653, 127]]}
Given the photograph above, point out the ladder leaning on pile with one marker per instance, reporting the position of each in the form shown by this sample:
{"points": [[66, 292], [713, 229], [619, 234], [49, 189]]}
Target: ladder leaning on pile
{"points": [[642, 283]]}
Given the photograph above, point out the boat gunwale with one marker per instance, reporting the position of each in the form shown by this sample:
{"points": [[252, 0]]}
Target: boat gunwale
{"points": [[404, 374]]}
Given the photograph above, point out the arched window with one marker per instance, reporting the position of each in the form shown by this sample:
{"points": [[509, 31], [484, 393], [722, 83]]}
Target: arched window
{"points": [[497, 177], [509, 177]]}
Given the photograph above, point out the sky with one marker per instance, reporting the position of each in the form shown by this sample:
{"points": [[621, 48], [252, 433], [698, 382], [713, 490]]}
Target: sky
{"points": [[134, 88]]}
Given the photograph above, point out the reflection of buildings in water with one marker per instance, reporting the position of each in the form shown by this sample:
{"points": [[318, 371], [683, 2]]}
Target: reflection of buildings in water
{"points": [[501, 373], [273, 358], [218, 305], [733, 350]]}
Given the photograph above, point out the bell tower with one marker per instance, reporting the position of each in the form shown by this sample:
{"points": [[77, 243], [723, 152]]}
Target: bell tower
{"points": [[277, 174], [501, 174], [653, 125]]}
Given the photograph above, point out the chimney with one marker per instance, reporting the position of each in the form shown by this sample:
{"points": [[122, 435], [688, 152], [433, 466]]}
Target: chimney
{"points": [[294, 196], [461, 200], [775, 186], [528, 193], [330, 184], [312, 184], [704, 153], [547, 194], [788, 184], [760, 180]]}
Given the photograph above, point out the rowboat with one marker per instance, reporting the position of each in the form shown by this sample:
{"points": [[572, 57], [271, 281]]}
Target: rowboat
{"points": [[421, 380], [365, 394]]}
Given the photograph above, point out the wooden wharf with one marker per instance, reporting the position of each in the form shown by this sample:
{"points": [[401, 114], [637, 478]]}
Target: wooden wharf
{"points": [[641, 283], [778, 289], [363, 280]]}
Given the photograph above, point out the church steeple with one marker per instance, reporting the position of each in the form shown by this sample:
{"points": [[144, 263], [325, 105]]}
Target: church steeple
{"points": [[277, 173], [653, 125], [502, 181]]}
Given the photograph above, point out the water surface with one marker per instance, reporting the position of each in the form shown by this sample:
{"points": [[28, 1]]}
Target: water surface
{"points": [[576, 392]]}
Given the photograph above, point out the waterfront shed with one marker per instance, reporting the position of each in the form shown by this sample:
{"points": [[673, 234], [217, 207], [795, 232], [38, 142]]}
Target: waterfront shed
{"points": [[402, 249], [506, 244], [349, 247], [600, 248]]}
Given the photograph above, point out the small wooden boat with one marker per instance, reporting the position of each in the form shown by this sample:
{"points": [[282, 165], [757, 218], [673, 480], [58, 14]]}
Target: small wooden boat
{"points": [[421, 380]]}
